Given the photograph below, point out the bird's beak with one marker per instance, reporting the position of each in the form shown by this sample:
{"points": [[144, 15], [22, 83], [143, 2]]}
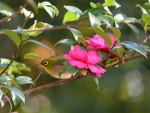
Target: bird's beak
{"points": [[38, 64]]}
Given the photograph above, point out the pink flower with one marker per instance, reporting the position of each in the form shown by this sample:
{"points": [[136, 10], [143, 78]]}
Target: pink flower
{"points": [[98, 43], [83, 59]]}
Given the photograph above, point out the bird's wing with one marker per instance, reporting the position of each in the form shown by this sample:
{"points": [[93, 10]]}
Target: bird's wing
{"points": [[60, 68]]}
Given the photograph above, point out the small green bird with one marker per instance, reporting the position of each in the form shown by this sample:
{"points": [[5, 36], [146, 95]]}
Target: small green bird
{"points": [[53, 66]]}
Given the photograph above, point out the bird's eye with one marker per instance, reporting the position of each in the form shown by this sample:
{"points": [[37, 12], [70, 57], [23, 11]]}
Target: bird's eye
{"points": [[45, 63]]}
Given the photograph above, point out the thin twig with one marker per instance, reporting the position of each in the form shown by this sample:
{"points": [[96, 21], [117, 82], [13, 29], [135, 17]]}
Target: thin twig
{"points": [[13, 58], [26, 20], [36, 79], [143, 42], [14, 14]]}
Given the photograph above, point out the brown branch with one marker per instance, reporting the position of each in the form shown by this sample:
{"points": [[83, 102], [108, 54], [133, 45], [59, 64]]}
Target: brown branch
{"points": [[12, 58], [61, 82], [14, 14], [74, 25]]}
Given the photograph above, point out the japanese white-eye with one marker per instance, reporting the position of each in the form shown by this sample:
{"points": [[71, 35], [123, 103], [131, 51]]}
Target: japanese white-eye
{"points": [[53, 66]]}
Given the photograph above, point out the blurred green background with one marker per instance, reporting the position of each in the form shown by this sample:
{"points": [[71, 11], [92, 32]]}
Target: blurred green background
{"points": [[122, 90]]}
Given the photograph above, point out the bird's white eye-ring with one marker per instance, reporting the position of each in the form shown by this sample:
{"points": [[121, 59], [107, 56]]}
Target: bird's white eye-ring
{"points": [[45, 63]]}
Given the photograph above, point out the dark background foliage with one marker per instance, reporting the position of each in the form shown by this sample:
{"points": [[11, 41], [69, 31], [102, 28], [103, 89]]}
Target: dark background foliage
{"points": [[122, 90]]}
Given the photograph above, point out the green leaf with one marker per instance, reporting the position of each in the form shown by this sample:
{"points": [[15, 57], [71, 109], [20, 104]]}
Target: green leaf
{"points": [[37, 26], [32, 56], [69, 68], [15, 98], [25, 35], [56, 10], [4, 79], [74, 10], [100, 32], [118, 50], [94, 11], [6, 10], [13, 36], [131, 19], [116, 32], [96, 81], [9, 102], [17, 91], [112, 3], [69, 17], [134, 46], [2, 103], [41, 44], [27, 13], [93, 5], [66, 41], [1, 94], [104, 19], [120, 17], [146, 18], [51, 9], [94, 20], [76, 33], [24, 80], [143, 10], [134, 28]]}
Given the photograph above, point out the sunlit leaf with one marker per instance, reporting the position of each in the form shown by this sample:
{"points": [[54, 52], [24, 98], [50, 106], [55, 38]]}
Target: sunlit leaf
{"points": [[69, 16], [134, 28], [143, 10], [41, 44], [120, 17], [5, 9], [112, 3], [74, 10], [27, 13], [101, 33], [51, 9], [13, 36], [24, 80], [76, 33], [18, 92], [37, 26], [94, 20], [134, 46], [32, 56], [66, 41], [93, 5], [146, 18]]}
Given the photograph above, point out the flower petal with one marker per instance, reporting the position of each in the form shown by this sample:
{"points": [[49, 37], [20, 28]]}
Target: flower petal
{"points": [[97, 69], [78, 53], [77, 63], [93, 58], [67, 56]]}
